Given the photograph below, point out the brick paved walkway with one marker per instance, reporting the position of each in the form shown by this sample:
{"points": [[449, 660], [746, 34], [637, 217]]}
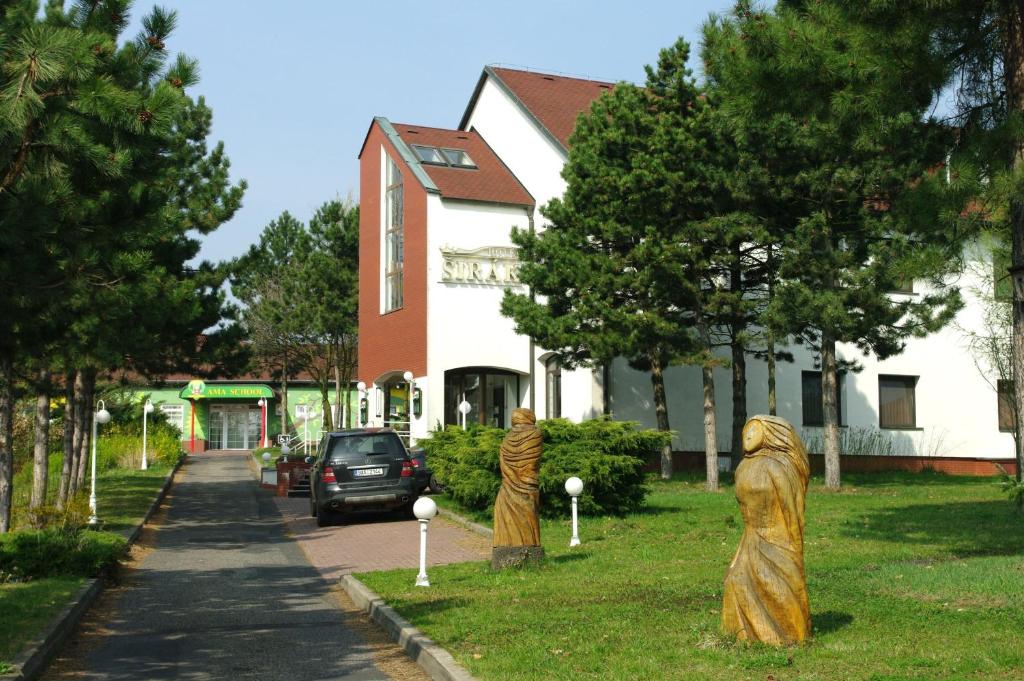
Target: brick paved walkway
{"points": [[380, 541]]}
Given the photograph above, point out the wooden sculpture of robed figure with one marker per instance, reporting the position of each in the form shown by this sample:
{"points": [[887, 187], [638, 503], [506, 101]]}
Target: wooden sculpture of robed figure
{"points": [[516, 524], [765, 587]]}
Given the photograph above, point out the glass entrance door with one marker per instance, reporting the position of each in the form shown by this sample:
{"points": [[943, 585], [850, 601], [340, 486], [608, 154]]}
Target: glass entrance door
{"points": [[234, 427]]}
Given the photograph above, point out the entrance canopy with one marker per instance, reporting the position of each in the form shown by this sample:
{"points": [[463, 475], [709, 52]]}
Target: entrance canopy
{"points": [[198, 390]]}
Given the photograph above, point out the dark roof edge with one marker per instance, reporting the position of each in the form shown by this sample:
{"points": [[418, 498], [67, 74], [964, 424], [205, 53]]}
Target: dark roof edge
{"points": [[488, 71], [489, 202], [406, 153], [403, 150]]}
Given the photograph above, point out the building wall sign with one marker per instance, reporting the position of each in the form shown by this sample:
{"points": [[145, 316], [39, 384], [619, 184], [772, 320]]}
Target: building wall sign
{"points": [[198, 390], [489, 266]]}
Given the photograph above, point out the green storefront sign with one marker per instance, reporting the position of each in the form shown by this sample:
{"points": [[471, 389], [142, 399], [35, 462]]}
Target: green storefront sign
{"points": [[198, 390]]}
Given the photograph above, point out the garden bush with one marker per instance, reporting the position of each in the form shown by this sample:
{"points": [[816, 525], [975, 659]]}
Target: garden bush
{"points": [[63, 551], [609, 456], [120, 446]]}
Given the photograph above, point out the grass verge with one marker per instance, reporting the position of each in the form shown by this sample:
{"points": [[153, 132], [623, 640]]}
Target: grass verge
{"points": [[910, 577]]}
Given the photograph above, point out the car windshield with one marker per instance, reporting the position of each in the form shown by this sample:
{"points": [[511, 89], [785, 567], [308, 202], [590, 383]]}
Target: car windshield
{"points": [[375, 443]]}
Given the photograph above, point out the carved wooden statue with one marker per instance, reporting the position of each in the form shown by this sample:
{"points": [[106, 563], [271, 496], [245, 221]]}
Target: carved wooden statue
{"points": [[516, 524], [765, 588]]}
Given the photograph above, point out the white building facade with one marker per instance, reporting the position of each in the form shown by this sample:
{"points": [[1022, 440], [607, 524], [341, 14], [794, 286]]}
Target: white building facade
{"points": [[437, 209]]}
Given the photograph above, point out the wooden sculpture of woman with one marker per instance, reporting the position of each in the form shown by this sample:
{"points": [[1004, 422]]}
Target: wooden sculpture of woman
{"points": [[765, 587], [516, 523]]}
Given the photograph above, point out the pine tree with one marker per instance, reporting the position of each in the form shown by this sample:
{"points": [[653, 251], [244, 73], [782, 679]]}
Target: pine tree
{"points": [[850, 151], [612, 273]]}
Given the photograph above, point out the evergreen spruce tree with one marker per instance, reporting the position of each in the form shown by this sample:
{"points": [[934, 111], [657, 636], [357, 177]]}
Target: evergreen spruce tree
{"points": [[613, 274], [851, 152]]}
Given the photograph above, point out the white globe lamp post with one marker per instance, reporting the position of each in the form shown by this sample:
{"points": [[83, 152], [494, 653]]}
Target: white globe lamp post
{"points": [[100, 416], [147, 409], [285, 449], [424, 509], [574, 486], [464, 408]]}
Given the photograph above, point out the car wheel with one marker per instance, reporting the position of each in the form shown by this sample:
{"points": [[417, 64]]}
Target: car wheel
{"points": [[326, 518], [407, 510], [435, 486]]}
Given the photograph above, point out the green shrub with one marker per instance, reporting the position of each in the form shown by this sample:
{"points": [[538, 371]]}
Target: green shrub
{"points": [[120, 446], [66, 551], [609, 456]]}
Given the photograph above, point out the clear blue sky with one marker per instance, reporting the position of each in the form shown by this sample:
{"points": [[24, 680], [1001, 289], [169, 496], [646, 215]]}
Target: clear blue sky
{"points": [[294, 85]]}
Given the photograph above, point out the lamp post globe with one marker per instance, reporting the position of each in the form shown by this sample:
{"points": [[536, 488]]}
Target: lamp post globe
{"points": [[102, 416], [424, 508], [574, 486], [361, 386]]}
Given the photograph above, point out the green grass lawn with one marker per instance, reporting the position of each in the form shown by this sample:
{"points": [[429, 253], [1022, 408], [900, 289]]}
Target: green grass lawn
{"points": [[27, 607], [910, 577], [123, 497]]}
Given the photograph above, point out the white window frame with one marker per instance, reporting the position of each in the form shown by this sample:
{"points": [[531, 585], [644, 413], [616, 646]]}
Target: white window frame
{"points": [[392, 247], [175, 415]]}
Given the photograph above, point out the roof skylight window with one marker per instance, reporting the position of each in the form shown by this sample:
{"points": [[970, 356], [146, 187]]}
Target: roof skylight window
{"points": [[428, 154], [458, 158]]}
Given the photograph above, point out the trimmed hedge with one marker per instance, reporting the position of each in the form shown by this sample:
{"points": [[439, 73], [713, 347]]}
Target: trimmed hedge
{"points": [[33, 554], [609, 456]]}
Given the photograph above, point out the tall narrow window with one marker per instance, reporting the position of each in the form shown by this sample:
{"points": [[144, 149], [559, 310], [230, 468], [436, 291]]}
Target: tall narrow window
{"points": [[813, 409], [553, 387], [897, 404], [394, 238]]}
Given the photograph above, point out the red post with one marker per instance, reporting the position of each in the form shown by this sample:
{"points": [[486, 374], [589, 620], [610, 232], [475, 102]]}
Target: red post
{"points": [[192, 446], [263, 423]]}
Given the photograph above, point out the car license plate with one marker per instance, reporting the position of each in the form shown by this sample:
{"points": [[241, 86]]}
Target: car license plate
{"points": [[367, 472]]}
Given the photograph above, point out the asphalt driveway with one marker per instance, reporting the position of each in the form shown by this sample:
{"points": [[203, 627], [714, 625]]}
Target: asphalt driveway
{"points": [[224, 593]]}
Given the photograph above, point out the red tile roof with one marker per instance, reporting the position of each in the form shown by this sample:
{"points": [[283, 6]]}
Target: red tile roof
{"points": [[491, 181], [555, 101]]}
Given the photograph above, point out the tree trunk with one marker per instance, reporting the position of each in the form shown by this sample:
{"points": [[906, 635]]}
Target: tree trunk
{"points": [[6, 440], [830, 410], [737, 327], [81, 433], [326, 417], [284, 396], [70, 422], [661, 411], [40, 448], [342, 406], [772, 398], [88, 407], [739, 400], [1013, 68], [710, 419]]}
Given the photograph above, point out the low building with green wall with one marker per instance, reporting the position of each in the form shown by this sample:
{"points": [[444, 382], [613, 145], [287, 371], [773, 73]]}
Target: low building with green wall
{"points": [[233, 413]]}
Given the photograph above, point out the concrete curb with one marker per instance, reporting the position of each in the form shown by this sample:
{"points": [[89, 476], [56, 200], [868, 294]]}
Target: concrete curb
{"points": [[469, 524], [434, 659], [40, 651]]}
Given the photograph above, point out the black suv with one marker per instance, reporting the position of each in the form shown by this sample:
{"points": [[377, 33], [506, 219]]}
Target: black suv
{"points": [[365, 469]]}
